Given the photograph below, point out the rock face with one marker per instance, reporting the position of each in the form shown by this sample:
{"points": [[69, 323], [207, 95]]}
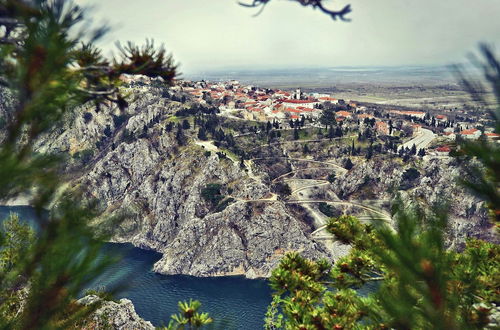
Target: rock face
{"points": [[436, 181], [117, 315], [135, 165], [138, 170], [166, 212]]}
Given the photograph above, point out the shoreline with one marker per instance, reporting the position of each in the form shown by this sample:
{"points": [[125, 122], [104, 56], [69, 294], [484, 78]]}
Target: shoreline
{"points": [[20, 200]]}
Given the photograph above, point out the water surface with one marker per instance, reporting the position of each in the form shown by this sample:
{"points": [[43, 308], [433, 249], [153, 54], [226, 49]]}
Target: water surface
{"points": [[233, 302]]}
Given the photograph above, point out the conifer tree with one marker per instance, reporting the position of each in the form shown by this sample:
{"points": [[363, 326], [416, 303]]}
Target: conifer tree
{"points": [[46, 69]]}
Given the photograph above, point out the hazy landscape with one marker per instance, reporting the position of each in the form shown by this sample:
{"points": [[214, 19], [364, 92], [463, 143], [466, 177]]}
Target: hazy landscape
{"points": [[429, 86], [267, 188]]}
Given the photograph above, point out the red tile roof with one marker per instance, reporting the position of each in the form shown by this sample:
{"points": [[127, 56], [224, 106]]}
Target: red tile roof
{"points": [[492, 134], [443, 149], [297, 101], [343, 113], [470, 131]]}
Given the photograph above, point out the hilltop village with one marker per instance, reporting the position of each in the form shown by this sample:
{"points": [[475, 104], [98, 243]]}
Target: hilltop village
{"points": [[427, 132]]}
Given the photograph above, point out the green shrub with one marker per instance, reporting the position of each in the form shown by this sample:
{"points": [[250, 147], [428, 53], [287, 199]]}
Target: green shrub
{"points": [[327, 210], [346, 228], [84, 156], [225, 203], [212, 194]]}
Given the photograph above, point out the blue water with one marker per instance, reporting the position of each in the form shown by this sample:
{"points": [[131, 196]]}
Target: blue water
{"points": [[233, 302]]}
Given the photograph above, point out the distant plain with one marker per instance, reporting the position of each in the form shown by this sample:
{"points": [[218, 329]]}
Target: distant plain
{"points": [[434, 87]]}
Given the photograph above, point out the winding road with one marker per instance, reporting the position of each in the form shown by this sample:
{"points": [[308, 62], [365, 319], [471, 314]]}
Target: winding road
{"points": [[299, 193]]}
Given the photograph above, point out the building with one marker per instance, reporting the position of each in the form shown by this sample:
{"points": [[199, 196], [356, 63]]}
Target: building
{"points": [[449, 135], [443, 150], [344, 114], [414, 114], [492, 136], [471, 134], [299, 103], [365, 115], [328, 99], [382, 128]]}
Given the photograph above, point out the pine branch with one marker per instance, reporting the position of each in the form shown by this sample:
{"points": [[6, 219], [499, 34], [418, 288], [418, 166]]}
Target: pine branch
{"points": [[334, 14]]}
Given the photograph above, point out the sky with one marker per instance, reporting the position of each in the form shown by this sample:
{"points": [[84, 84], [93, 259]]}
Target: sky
{"points": [[208, 35]]}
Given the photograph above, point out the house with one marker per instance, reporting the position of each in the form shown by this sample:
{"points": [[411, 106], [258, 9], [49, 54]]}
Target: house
{"points": [[471, 133], [328, 99], [449, 135], [344, 114], [492, 136], [443, 150], [365, 115], [299, 103], [276, 114], [415, 114], [382, 128], [416, 128]]}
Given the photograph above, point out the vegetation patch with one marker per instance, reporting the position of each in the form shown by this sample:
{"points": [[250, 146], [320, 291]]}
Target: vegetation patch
{"points": [[346, 228]]}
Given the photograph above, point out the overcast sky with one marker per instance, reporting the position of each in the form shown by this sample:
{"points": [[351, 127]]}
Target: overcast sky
{"points": [[208, 35]]}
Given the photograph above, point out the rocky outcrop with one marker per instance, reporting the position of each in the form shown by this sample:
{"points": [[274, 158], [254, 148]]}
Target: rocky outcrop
{"points": [[134, 164], [119, 315], [160, 191], [436, 182], [138, 170]]}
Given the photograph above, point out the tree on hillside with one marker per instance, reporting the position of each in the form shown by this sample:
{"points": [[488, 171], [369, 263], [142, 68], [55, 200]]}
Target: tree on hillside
{"points": [[328, 117], [202, 134], [296, 135], [348, 164]]}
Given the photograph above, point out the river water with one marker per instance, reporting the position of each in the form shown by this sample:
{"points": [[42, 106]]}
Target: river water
{"points": [[233, 302]]}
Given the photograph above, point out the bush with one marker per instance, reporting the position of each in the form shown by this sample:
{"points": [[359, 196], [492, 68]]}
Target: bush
{"points": [[348, 164], [328, 210], [84, 156], [346, 228], [107, 131], [212, 194], [225, 203], [408, 178], [119, 120], [87, 117], [283, 189], [128, 137]]}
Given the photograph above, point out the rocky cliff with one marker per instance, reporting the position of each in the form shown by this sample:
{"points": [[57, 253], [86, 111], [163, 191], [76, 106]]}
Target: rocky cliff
{"points": [[431, 182], [136, 168], [140, 166], [118, 315]]}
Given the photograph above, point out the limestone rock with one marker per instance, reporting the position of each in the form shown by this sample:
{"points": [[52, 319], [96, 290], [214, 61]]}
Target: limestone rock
{"points": [[117, 315]]}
